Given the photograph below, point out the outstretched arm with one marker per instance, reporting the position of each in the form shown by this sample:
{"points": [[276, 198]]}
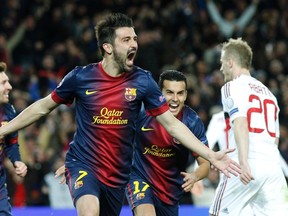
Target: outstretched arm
{"points": [[28, 116], [178, 130]]}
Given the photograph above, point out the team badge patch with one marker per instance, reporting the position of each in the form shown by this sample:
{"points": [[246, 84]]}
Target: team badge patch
{"points": [[130, 94], [229, 103], [140, 196], [78, 184]]}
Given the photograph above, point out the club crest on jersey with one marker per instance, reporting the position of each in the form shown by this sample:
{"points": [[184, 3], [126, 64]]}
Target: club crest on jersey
{"points": [[130, 94], [78, 184], [140, 196]]}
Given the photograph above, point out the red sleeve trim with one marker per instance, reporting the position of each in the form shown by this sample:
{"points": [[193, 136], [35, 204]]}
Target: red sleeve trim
{"points": [[158, 111], [13, 140], [58, 99]]}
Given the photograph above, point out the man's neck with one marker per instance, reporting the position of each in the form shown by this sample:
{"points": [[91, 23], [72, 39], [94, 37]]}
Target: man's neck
{"points": [[110, 68]]}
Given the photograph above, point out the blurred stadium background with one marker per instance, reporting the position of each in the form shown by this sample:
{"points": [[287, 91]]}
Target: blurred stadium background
{"points": [[42, 40]]}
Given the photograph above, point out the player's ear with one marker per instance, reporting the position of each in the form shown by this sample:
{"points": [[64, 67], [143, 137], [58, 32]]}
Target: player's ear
{"points": [[230, 62], [108, 48], [185, 95]]}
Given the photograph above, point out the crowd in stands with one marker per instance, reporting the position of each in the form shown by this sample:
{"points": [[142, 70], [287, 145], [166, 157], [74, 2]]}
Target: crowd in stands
{"points": [[42, 40]]}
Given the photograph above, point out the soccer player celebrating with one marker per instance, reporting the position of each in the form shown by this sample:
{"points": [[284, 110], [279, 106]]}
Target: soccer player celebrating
{"points": [[9, 145], [252, 112], [108, 97], [158, 179]]}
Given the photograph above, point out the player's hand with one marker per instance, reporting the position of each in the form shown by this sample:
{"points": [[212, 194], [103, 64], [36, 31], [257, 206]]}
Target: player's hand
{"points": [[61, 172], [20, 168], [198, 188], [246, 175], [189, 181], [225, 164]]}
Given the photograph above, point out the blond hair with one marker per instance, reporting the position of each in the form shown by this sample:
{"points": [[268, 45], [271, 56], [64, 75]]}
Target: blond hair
{"points": [[3, 67], [239, 50]]}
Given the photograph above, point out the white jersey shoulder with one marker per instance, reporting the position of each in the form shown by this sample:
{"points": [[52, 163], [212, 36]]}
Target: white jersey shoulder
{"points": [[247, 97]]}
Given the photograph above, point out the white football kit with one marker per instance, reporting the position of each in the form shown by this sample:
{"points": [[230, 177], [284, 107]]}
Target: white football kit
{"points": [[215, 132], [247, 97]]}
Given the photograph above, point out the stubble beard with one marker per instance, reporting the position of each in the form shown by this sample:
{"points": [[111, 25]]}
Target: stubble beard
{"points": [[120, 62]]}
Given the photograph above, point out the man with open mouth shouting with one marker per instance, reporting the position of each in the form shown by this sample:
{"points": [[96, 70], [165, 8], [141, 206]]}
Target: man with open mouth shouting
{"points": [[158, 178], [108, 96]]}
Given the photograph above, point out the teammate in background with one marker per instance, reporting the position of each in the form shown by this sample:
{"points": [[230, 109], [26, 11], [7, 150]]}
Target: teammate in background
{"points": [[252, 113], [9, 146], [108, 97], [158, 179]]}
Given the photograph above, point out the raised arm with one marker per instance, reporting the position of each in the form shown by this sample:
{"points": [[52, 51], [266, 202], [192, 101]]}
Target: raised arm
{"points": [[247, 15], [214, 12], [28, 116]]}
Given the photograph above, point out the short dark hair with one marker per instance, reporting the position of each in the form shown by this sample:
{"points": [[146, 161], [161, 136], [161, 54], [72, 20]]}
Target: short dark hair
{"points": [[3, 67], [171, 75], [105, 29]]}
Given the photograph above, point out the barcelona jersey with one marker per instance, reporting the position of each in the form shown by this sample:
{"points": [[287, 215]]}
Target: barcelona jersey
{"points": [[8, 146], [159, 158], [106, 112]]}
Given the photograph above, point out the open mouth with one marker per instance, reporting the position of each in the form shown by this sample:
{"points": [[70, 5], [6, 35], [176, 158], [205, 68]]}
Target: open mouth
{"points": [[173, 107], [130, 57]]}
